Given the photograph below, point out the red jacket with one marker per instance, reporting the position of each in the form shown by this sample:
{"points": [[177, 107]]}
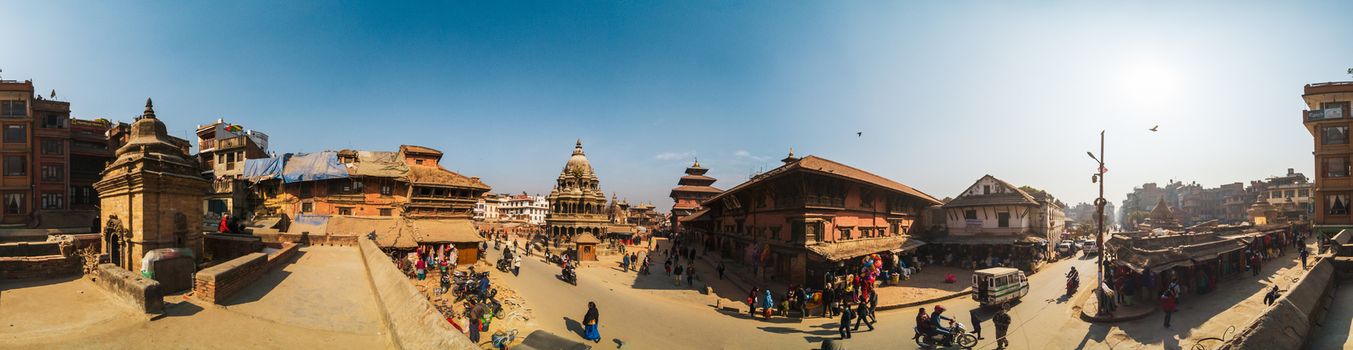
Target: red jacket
{"points": [[1167, 303]]}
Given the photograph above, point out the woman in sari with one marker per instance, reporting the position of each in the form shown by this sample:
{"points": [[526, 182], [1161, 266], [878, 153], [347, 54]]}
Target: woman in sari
{"points": [[590, 325]]}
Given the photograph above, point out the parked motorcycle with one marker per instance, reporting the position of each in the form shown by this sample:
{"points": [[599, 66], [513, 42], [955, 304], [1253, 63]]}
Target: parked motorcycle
{"points": [[960, 335]]}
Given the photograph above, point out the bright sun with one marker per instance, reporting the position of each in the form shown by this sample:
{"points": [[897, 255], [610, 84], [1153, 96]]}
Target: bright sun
{"points": [[1147, 82]]}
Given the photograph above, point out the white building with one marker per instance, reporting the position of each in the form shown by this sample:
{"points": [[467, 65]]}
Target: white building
{"points": [[998, 211], [525, 208], [489, 208]]}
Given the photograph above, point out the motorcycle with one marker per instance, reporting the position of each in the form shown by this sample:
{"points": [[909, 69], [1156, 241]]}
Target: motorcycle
{"points": [[958, 333], [1071, 284], [568, 275], [504, 265]]}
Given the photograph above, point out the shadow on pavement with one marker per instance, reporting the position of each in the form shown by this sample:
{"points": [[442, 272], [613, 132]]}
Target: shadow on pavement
{"points": [[773, 319], [1196, 310], [266, 283], [573, 326], [35, 282]]}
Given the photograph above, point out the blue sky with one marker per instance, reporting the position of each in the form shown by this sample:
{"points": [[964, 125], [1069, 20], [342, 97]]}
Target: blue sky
{"points": [[944, 92]]}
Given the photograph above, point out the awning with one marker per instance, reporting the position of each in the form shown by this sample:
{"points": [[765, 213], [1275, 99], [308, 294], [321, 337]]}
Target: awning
{"points": [[696, 216], [443, 231], [992, 240], [839, 251]]}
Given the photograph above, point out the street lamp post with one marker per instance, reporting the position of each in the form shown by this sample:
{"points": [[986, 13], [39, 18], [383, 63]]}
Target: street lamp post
{"points": [[1099, 220]]}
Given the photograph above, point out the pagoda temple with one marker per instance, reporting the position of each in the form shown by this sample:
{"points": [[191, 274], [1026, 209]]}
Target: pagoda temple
{"points": [[692, 189]]}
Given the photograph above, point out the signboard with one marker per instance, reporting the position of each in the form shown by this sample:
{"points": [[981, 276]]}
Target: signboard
{"points": [[1327, 113]]}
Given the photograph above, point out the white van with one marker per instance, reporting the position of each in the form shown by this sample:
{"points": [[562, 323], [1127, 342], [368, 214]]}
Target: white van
{"points": [[1090, 247], [999, 285]]}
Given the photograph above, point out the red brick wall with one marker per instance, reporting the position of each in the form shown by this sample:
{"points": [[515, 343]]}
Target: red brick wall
{"points": [[38, 267], [218, 283]]}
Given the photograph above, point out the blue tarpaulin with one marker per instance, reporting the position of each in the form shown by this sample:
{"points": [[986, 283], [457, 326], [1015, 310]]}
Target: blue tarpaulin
{"points": [[313, 167], [263, 169]]}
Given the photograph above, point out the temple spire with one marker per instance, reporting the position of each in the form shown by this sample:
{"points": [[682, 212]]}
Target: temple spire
{"points": [[150, 110]]}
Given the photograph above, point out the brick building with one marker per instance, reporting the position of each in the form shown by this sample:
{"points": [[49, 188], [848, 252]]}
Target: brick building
{"points": [[50, 160], [1327, 119], [807, 217]]}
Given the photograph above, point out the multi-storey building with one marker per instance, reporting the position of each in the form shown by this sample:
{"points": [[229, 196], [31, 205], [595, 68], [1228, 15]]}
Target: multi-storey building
{"points": [[89, 152], [992, 211], [222, 149], [525, 208], [50, 160], [16, 121], [489, 208], [692, 188], [807, 217], [1327, 119]]}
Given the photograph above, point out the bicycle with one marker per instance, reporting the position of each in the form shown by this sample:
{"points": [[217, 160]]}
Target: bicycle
{"points": [[1198, 345], [502, 339]]}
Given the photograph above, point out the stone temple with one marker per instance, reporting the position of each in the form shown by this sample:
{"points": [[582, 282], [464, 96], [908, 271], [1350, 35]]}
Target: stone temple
{"points": [[151, 197], [577, 203]]}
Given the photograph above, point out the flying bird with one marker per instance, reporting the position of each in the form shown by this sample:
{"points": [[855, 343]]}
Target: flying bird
{"points": [[859, 133], [1153, 129]]}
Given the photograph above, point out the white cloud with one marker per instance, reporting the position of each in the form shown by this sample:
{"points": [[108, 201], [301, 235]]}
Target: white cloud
{"points": [[674, 155], [744, 155]]}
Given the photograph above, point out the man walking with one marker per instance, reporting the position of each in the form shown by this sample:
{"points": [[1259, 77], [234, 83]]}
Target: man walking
{"points": [[1168, 302], [721, 270], [873, 305], [1304, 253], [846, 316], [863, 311], [1002, 321], [976, 323]]}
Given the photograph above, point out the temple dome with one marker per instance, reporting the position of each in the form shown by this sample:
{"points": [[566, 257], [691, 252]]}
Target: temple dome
{"points": [[578, 164], [149, 132]]}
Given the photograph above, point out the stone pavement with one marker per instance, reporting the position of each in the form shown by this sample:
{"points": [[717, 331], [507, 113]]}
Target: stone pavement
{"points": [[321, 301]]}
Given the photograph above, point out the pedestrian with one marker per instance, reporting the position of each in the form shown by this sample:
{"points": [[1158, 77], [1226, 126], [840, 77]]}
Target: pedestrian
{"points": [[873, 305], [1002, 321], [721, 268], [477, 321], [676, 276], [667, 267], [625, 263], [1168, 303], [862, 311], [690, 276], [1272, 296], [846, 317], [516, 266], [803, 302], [1304, 254], [767, 303], [751, 302], [976, 322], [1254, 263], [828, 297], [590, 323]]}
